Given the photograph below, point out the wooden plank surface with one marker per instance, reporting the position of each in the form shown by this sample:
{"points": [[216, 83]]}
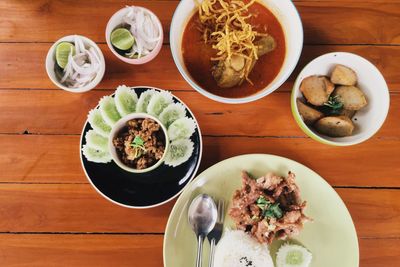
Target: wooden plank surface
{"points": [[56, 158], [80, 250], [56, 112], [51, 216], [78, 208], [19, 71], [325, 22], [124, 250]]}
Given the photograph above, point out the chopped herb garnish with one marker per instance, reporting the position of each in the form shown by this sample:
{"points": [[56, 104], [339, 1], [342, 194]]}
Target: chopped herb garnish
{"points": [[334, 104], [276, 210], [138, 144], [269, 210]]}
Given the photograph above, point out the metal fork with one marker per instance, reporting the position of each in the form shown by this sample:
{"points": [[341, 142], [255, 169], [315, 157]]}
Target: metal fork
{"points": [[215, 235]]}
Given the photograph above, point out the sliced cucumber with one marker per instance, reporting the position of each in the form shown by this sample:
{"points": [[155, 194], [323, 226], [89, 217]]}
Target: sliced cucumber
{"points": [[109, 110], [125, 100], [293, 256], [159, 102], [95, 155], [98, 124], [96, 141], [181, 128], [179, 152], [144, 100], [171, 113]]}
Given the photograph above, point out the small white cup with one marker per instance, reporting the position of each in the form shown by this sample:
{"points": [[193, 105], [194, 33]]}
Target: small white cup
{"points": [[119, 125], [115, 21], [51, 63]]}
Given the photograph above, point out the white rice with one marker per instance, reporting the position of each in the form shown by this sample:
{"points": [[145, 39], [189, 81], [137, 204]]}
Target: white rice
{"points": [[237, 249]]}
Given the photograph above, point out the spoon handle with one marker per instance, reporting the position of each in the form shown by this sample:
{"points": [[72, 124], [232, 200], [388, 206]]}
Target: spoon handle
{"points": [[212, 252], [199, 250]]}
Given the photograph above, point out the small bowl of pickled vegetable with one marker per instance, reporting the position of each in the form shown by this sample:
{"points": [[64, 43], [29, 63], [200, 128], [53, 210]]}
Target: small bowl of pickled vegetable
{"points": [[134, 34], [340, 99], [75, 63], [138, 143]]}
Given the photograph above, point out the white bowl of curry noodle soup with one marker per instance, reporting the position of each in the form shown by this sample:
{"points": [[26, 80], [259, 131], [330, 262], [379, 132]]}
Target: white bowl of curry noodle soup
{"points": [[239, 53], [138, 143]]}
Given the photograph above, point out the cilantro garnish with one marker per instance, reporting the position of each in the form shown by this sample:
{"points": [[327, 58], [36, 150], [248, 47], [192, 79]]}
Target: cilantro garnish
{"points": [[268, 209]]}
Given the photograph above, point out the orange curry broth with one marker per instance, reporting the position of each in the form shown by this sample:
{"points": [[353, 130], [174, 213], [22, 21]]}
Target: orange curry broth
{"points": [[197, 54]]}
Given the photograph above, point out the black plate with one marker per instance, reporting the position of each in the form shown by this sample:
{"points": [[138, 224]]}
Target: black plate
{"points": [[143, 190]]}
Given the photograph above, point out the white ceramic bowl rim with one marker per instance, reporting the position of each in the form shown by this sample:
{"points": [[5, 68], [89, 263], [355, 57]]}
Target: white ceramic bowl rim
{"points": [[119, 125], [323, 139], [50, 64], [264, 92], [110, 27], [167, 200]]}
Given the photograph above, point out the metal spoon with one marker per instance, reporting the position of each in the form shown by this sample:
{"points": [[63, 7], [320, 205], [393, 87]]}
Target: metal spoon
{"points": [[202, 217]]}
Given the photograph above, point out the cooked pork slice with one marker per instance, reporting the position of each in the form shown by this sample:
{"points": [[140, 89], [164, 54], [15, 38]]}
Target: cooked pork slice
{"points": [[269, 207]]}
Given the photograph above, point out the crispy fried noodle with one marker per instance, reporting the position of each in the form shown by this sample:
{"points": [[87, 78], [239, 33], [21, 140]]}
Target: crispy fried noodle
{"points": [[225, 26]]}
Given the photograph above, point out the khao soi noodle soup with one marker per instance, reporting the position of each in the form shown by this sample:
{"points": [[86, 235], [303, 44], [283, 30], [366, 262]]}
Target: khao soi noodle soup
{"points": [[233, 48]]}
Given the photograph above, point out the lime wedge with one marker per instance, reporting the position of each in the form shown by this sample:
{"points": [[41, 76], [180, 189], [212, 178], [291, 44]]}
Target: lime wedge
{"points": [[122, 39], [62, 51]]}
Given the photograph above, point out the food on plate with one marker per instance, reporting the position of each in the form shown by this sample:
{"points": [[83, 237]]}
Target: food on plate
{"points": [[269, 207], [343, 75], [144, 100], [330, 110], [339, 126], [179, 152], [160, 104], [351, 97], [316, 89], [290, 255], [96, 155], [233, 48], [348, 113], [98, 123], [309, 114], [172, 113], [182, 128], [125, 100], [77, 64], [96, 141], [138, 34], [108, 110], [237, 249], [140, 144]]}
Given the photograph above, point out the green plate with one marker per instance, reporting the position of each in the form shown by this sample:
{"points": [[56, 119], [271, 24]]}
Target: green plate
{"points": [[331, 238]]}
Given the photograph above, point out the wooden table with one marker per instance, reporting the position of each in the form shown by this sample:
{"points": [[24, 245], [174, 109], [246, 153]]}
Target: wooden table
{"points": [[51, 216]]}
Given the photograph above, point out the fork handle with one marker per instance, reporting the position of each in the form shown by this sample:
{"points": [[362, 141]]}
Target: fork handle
{"points": [[212, 252], [200, 240]]}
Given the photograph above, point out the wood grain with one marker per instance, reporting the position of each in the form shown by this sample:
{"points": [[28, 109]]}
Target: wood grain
{"points": [[55, 158], [59, 112], [78, 208], [19, 71], [324, 22], [81, 250], [51, 216], [124, 250]]}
